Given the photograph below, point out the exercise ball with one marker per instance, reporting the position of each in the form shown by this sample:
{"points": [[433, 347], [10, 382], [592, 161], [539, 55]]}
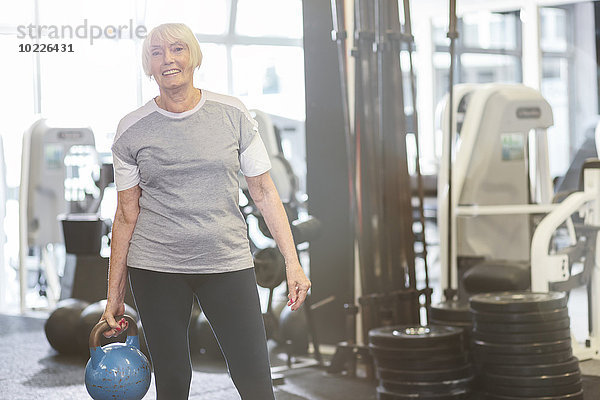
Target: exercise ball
{"points": [[89, 318], [202, 339], [61, 325], [293, 326]]}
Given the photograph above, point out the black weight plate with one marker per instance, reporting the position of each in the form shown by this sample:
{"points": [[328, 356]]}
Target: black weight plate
{"points": [[433, 321], [522, 318], [571, 396], [558, 368], [534, 391], [529, 348], [533, 381], [428, 364], [522, 338], [269, 267], [416, 336], [435, 375], [427, 387], [522, 328], [450, 310], [529, 359], [415, 353], [462, 394], [518, 301]]}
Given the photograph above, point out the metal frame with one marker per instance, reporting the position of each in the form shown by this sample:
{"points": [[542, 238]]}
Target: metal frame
{"points": [[549, 267], [460, 49]]}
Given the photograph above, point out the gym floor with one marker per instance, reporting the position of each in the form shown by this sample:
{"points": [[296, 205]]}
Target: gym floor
{"points": [[31, 369]]}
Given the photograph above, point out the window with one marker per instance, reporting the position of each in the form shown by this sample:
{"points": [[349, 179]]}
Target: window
{"points": [[555, 46], [18, 102], [13, 15], [260, 18], [202, 16], [96, 93], [270, 78], [488, 49], [106, 12]]}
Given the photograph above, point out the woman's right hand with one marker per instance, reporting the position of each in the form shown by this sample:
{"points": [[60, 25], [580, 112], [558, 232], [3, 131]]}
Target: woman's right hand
{"points": [[112, 310]]}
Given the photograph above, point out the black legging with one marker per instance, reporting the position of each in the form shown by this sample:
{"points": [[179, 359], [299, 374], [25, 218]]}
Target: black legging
{"points": [[231, 304]]}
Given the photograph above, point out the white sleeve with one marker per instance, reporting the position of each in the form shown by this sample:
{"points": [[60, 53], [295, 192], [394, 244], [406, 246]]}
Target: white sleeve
{"points": [[126, 175], [255, 159]]}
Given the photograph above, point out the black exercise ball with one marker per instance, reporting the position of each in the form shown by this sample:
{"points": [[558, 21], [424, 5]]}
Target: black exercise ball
{"points": [[293, 326], [271, 323], [61, 325], [202, 339], [89, 318]]}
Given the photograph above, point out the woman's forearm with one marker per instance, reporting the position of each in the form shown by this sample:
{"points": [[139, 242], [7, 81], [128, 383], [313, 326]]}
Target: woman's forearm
{"points": [[272, 210], [119, 247]]}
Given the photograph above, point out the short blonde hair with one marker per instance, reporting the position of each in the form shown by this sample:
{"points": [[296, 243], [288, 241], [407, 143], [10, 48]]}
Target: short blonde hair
{"points": [[171, 33]]}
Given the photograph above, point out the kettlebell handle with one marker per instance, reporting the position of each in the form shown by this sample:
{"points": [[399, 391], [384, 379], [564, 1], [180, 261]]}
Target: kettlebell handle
{"points": [[103, 326]]}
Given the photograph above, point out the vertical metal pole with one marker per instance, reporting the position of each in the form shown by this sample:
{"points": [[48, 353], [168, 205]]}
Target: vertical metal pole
{"points": [[339, 35], [413, 86], [452, 35]]}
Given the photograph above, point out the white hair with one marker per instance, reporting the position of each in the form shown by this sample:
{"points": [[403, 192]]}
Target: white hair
{"points": [[171, 33]]}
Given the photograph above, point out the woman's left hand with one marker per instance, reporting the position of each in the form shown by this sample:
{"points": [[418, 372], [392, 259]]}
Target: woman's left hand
{"points": [[298, 285]]}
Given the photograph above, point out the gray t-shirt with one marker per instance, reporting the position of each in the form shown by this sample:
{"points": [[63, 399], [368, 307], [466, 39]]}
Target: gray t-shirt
{"points": [[187, 166]]}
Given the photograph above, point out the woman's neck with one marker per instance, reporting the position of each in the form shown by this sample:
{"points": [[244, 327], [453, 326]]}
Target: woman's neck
{"points": [[178, 100]]}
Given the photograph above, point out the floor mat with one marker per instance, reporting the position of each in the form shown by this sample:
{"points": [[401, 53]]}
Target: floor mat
{"points": [[591, 387], [31, 369]]}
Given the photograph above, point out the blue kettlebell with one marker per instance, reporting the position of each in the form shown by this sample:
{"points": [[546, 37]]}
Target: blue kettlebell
{"points": [[117, 370]]}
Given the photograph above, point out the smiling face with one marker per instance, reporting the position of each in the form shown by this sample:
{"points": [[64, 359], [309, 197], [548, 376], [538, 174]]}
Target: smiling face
{"points": [[170, 64]]}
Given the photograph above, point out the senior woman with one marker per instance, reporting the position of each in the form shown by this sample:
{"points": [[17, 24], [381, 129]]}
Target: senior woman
{"points": [[178, 231]]}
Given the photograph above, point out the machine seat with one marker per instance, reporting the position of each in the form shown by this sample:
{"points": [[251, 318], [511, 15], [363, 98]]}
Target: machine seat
{"points": [[497, 276]]}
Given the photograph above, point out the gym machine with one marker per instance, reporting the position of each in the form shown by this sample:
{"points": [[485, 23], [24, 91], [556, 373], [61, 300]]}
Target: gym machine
{"points": [[500, 181], [509, 231], [62, 185], [552, 264], [55, 168]]}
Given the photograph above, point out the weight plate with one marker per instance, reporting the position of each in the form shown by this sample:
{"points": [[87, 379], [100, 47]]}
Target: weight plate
{"points": [[518, 301], [416, 336], [427, 387], [522, 338], [435, 375], [429, 364], [529, 348], [532, 381], [529, 359], [572, 396], [415, 353], [558, 368], [534, 391], [459, 324], [269, 267], [526, 318], [522, 328], [461, 394], [450, 310]]}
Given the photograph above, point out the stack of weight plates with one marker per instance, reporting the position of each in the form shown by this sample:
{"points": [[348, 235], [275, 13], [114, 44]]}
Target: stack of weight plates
{"points": [[453, 313], [522, 347], [421, 362]]}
